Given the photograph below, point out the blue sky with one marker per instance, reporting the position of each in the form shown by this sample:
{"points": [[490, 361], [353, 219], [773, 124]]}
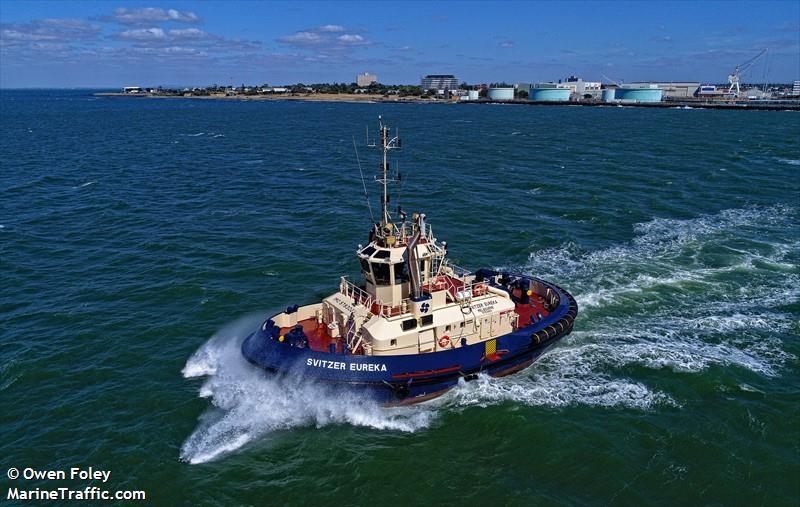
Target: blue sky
{"points": [[111, 44]]}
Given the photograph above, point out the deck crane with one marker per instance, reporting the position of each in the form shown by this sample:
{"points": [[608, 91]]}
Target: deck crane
{"points": [[740, 69]]}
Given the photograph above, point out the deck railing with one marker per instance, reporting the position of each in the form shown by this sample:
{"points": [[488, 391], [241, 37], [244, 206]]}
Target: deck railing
{"points": [[374, 305]]}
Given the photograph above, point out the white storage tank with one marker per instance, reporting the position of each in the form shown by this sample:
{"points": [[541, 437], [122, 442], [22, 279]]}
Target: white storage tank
{"points": [[608, 95], [500, 93]]}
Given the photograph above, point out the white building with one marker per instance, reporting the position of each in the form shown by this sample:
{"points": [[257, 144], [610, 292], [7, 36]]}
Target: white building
{"points": [[366, 79], [439, 82], [796, 89], [580, 88], [674, 89]]}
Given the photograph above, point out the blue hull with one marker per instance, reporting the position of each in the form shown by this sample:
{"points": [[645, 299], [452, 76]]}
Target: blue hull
{"points": [[416, 377]]}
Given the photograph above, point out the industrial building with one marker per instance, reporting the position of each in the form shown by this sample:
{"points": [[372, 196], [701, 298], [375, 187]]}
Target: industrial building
{"points": [[366, 79], [439, 82], [708, 91], [549, 92], [500, 93], [673, 90], [581, 88]]}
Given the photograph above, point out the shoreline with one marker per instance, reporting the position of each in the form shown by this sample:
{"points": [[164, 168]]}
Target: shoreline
{"points": [[315, 97], [380, 99], [676, 104]]}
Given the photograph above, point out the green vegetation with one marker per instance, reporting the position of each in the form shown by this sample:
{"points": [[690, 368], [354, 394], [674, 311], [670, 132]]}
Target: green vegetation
{"points": [[296, 89]]}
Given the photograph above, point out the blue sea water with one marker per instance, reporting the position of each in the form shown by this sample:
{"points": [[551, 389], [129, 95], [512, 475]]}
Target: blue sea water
{"points": [[142, 239]]}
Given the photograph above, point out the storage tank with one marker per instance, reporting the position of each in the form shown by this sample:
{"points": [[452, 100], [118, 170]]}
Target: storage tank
{"points": [[473, 94], [500, 93], [650, 94], [549, 93], [608, 95]]}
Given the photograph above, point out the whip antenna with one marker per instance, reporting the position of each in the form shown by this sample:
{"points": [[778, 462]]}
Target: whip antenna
{"points": [[366, 196]]}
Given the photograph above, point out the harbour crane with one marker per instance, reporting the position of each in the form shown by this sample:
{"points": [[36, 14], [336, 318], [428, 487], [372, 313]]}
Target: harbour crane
{"points": [[740, 69]]}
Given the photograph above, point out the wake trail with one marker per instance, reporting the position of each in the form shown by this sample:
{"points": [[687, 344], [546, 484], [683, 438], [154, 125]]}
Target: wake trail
{"points": [[653, 302]]}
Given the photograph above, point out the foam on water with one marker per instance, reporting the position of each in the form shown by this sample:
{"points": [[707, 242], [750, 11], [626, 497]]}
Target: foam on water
{"points": [[563, 377], [672, 311], [249, 403]]}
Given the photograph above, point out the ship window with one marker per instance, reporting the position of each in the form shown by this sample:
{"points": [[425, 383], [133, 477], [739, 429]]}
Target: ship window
{"points": [[400, 273], [426, 320], [393, 342], [382, 254], [368, 251], [381, 272], [448, 327], [409, 324], [365, 266]]}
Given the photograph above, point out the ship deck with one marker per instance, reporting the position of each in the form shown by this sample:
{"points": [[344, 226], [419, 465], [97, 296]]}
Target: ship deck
{"points": [[319, 339], [532, 309]]}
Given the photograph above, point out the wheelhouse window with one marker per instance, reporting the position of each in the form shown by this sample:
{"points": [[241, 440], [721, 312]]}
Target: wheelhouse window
{"points": [[381, 273], [400, 272], [365, 267]]}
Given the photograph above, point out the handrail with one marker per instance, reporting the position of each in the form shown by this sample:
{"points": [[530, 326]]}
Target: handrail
{"points": [[458, 270], [374, 305], [358, 294]]}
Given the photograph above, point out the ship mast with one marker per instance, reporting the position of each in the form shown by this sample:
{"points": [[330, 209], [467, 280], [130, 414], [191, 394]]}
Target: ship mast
{"points": [[388, 143]]}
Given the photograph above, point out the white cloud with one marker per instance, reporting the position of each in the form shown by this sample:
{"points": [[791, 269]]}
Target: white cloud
{"points": [[189, 33], [50, 29], [324, 39], [351, 39], [302, 39], [144, 34], [331, 28], [153, 15], [156, 37]]}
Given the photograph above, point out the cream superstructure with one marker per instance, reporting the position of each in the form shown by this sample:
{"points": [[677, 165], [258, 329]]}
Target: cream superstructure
{"points": [[412, 300]]}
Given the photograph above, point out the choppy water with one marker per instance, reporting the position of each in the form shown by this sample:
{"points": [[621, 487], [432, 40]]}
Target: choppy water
{"points": [[141, 240]]}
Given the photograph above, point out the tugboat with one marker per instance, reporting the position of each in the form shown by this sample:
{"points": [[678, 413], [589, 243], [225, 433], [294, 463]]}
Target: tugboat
{"points": [[417, 323]]}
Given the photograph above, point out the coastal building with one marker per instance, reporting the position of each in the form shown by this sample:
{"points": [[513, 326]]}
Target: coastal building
{"points": [[132, 89], [366, 79], [708, 91], [673, 90], [796, 88], [581, 89], [755, 94], [439, 82], [500, 93]]}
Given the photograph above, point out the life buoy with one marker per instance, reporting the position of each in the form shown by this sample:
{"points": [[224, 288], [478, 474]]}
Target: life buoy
{"points": [[444, 342]]}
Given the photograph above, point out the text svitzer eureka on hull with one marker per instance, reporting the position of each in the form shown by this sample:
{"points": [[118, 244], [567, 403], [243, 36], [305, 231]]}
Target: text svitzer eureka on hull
{"points": [[339, 365]]}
